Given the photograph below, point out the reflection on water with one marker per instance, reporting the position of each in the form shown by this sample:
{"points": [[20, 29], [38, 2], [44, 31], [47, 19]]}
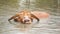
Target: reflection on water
{"points": [[49, 25]]}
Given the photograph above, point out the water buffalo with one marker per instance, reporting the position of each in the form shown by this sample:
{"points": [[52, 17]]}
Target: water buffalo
{"points": [[26, 16]]}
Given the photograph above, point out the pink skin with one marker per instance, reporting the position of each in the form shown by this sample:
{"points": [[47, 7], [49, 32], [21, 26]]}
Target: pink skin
{"points": [[40, 14]]}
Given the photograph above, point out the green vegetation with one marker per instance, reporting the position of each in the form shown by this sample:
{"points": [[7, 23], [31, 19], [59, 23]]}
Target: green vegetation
{"points": [[38, 3], [12, 3], [47, 3]]}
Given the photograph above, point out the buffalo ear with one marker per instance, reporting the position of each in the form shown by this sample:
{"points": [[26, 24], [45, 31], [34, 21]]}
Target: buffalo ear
{"points": [[13, 17], [35, 17]]}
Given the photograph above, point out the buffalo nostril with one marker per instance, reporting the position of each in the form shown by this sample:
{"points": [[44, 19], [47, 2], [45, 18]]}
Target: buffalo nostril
{"points": [[26, 20]]}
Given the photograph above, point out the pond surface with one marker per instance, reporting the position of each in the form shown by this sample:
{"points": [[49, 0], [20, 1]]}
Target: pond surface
{"points": [[50, 25]]}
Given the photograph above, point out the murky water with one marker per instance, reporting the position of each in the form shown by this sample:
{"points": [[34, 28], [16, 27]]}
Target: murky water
{"points": [[49, 25]]}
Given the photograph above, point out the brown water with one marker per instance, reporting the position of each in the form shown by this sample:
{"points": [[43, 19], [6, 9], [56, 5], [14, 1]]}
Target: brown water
{"points": [[49, 25]]}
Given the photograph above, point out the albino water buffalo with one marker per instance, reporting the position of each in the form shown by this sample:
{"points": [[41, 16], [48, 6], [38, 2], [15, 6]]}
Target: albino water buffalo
{"points": [[27, 17]]}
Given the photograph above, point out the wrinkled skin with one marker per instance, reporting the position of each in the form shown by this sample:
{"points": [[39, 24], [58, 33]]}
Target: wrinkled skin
{"points": [[24, 16]]}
